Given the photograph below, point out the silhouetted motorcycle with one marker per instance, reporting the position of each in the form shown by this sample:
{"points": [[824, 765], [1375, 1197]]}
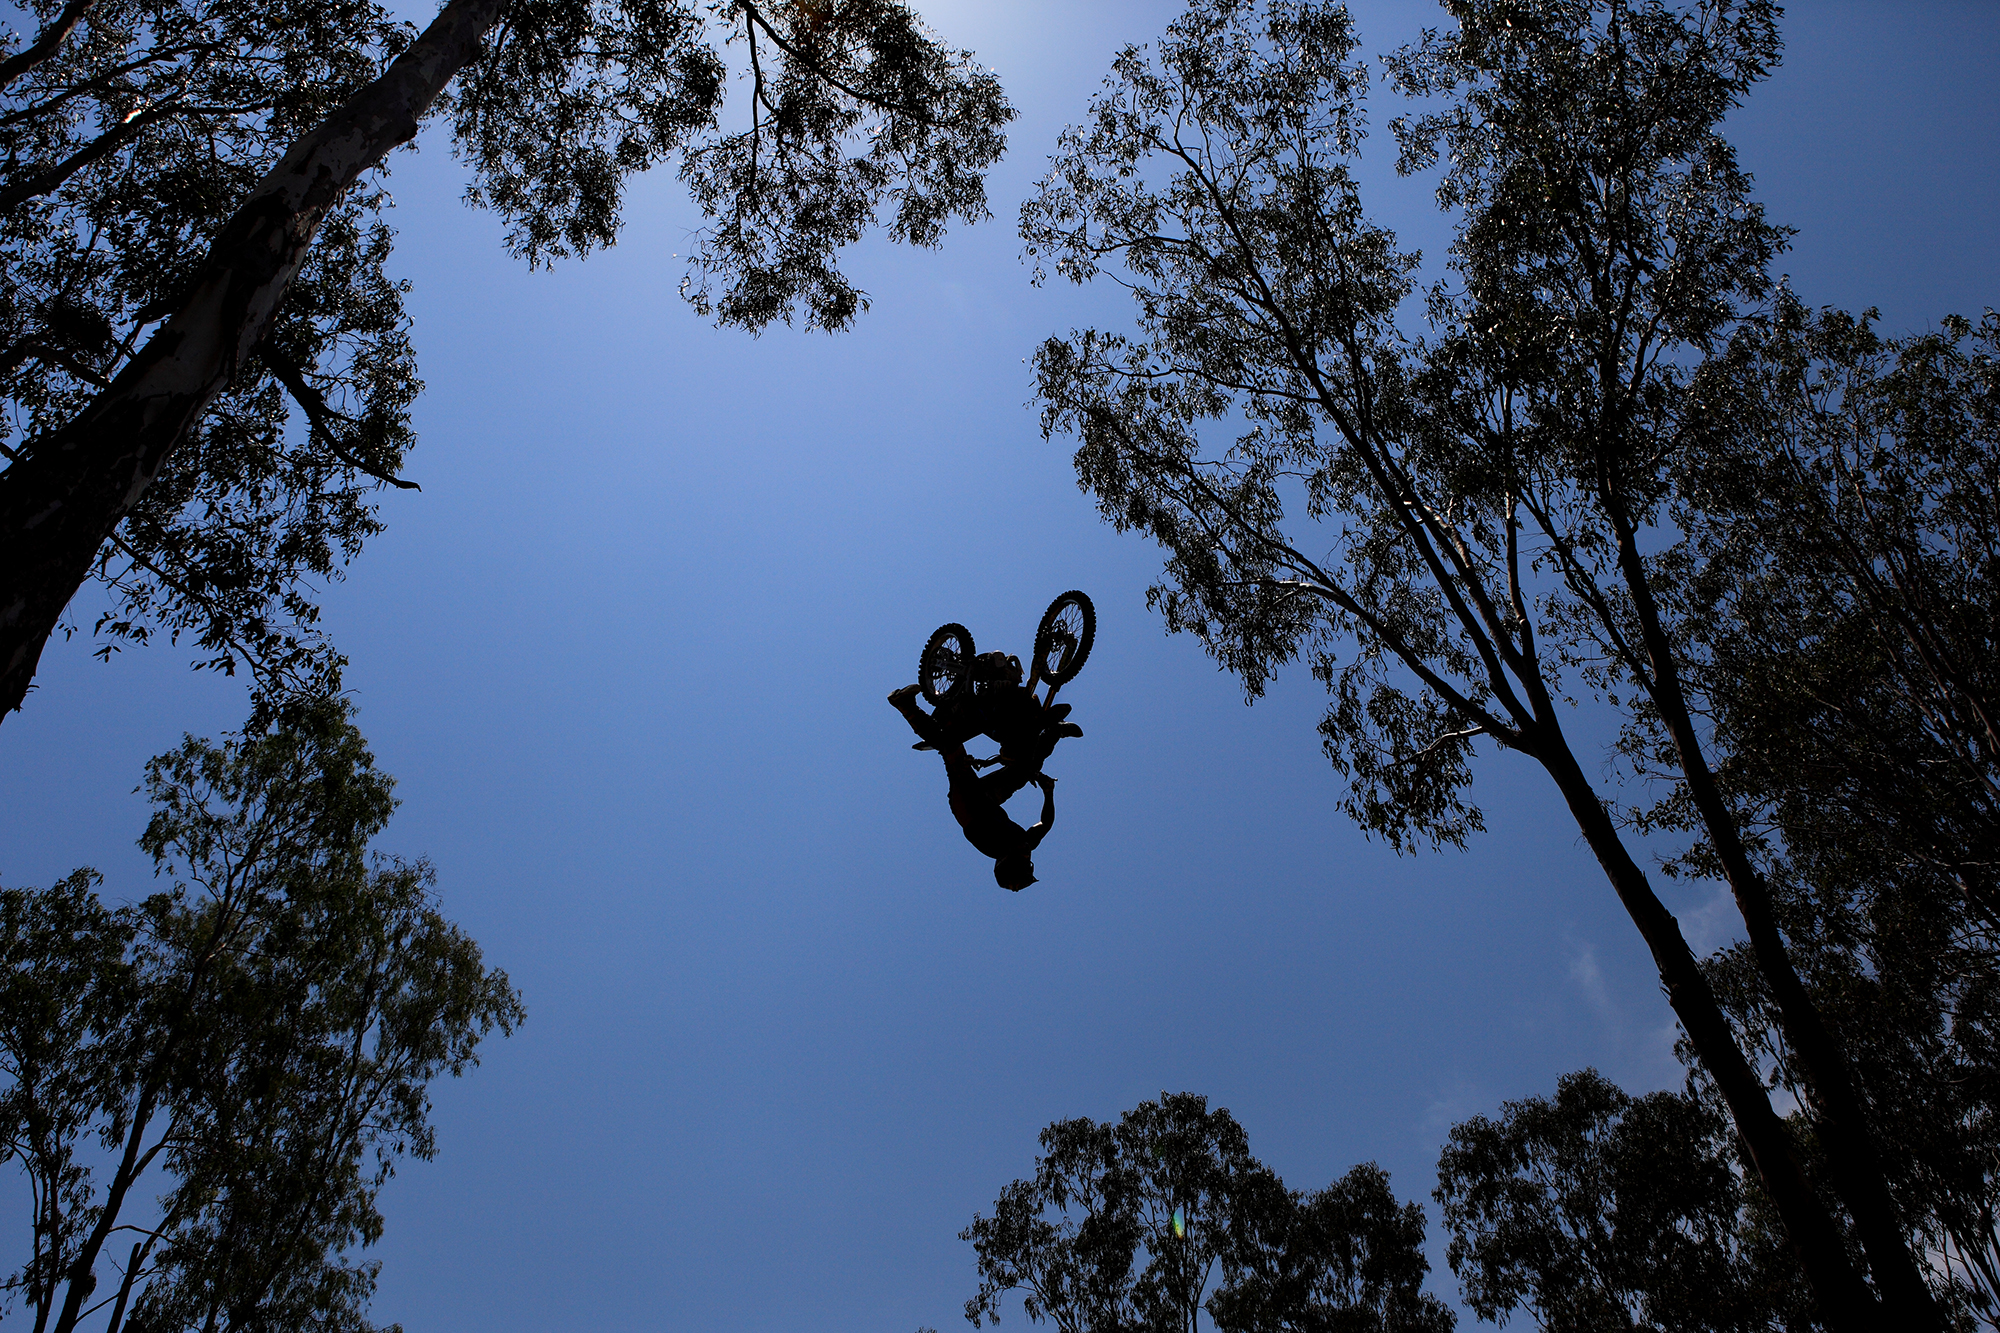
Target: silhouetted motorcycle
{"points": [[950, 664]]}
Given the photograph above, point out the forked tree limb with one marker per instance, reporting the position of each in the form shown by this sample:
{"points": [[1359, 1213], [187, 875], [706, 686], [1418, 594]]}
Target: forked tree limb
{"points": [[322, 417], [1844, 1302]]}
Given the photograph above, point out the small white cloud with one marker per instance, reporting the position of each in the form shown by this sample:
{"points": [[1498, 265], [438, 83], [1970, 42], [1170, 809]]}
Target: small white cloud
{"points": [[1589, 977], [1460, 1102], [1713, 925]]}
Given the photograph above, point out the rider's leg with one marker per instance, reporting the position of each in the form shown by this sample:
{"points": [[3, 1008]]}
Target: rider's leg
{"points": [[905, 702], [997, 787], [958, 717]]}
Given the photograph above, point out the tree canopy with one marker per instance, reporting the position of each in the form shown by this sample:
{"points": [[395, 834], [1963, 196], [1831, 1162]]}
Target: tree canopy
{"points": [[207, 368], [1220, 1233], [1594, 1209], [1838, 610]]}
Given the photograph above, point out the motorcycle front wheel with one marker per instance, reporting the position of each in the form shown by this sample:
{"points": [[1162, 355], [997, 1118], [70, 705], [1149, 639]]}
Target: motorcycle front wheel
{"points": [[1063, 639]]}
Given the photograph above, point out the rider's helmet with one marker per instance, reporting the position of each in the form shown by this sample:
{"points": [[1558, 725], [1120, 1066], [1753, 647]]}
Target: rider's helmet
{"points": [[1014, 873]]}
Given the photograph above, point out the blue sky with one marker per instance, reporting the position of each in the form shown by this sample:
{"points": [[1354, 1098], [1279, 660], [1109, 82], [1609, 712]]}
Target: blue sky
{"points": [[626, 655]]}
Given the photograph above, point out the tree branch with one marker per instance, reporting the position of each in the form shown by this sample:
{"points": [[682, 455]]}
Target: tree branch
{"points": [[46, 45], [320, 416], [116, 137]]}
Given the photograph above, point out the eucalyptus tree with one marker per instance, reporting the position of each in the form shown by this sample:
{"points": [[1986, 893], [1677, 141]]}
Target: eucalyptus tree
{"points": [[1841, 597], [1458, 529], [207, 368], [1218, 1230], [1836, 612], [253, 1044]]}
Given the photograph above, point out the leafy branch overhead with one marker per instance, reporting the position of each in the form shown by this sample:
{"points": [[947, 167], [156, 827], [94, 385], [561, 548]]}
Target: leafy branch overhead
{"points": [[1839, 609], [143, 149], [1263, 288]]}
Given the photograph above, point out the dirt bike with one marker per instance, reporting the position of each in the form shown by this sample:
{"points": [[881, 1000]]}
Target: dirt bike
{"points": [[950, 663]]}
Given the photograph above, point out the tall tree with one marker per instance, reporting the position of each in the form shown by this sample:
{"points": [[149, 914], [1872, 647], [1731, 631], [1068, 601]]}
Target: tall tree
{"points": [[1220, 1233], [255, 1043], [1837, 612], [192, 254], [1494, 493]]}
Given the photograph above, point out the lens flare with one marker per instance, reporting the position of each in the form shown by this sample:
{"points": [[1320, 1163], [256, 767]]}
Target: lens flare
{"points": [[1180, 1223]]}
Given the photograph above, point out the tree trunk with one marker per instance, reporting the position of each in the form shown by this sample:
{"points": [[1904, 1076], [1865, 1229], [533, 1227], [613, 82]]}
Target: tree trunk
{"points": [[1844, 1301], [125, 1287], [69, 489], [1854, 1163]]}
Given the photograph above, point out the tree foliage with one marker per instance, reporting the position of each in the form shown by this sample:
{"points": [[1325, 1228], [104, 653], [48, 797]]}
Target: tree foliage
{"points": [[126, 147], [1459, 529], [142, 137], [254, 1043], [1219, 1231], [1595, 1210]]}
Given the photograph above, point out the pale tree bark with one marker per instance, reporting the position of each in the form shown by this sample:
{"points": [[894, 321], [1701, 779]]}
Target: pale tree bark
{"points": [[66, 492]]}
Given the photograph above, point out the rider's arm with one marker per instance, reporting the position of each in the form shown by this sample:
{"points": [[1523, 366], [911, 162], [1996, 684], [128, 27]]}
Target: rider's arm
{"points": [[1041, 830]]}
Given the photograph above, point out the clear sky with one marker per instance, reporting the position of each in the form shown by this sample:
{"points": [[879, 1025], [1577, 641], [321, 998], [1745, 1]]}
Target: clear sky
{"points": [[627, 653]]}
